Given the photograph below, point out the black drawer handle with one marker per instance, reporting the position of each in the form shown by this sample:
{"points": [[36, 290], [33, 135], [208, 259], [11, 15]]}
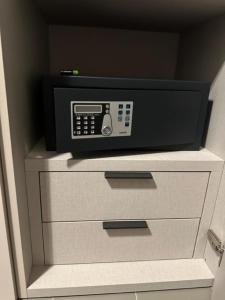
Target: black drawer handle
{"points": [[128, 175], [124, 224]]}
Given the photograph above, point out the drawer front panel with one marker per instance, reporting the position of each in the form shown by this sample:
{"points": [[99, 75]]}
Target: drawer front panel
{"points": [[88, 242], [71, 196], [187, 294], [125, 296]]}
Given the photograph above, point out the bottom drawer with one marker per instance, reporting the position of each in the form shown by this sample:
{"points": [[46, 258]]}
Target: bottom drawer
{"points": [[125, 296], [88, 242], [187, 294]]}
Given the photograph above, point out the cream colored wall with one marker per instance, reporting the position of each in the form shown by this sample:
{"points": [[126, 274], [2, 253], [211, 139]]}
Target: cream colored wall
{"points": [[202, 57], [113, 52], [24, 46], [7, 283], [7, 286]]}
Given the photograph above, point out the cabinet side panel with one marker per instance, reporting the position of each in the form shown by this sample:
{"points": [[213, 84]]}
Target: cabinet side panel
{"points": [[7, 286], [207, 212], [217, 224], [34, 203], [24, 45]]}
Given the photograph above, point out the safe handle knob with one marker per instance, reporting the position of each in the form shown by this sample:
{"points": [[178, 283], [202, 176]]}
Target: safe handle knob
{"points": [[106, 130], [107, 125]]}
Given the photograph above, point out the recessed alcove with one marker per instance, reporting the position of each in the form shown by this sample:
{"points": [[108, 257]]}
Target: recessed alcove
{"points": [[157, 39]]}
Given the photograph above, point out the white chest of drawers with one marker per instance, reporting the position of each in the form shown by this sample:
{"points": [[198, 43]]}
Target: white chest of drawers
{"points": [[71, 198]]}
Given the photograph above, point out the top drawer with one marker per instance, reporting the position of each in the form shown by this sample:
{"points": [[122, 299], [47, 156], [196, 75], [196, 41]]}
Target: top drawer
{"points": [[70, 196]]}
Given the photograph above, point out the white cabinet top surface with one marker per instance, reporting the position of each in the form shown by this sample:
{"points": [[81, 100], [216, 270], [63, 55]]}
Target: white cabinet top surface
{"points": [[41, 160]]}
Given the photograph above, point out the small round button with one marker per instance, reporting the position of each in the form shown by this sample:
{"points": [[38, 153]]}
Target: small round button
{"points": [[106, 130]]}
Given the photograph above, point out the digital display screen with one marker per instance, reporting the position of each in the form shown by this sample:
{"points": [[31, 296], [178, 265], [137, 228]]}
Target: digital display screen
{"points": [[88, 108]]}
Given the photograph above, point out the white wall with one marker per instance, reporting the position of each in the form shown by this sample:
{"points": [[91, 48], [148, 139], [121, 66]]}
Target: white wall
{"points": [[7, 286], [113, 52], [202, 57], [24, 47], [7, 279]]}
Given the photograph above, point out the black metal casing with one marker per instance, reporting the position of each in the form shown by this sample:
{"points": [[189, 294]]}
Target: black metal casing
{"points": [[167, 114]]}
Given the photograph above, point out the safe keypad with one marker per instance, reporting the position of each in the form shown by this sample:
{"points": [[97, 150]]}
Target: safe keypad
{"points": [[84, 125], [90, 124], [124, 114]]}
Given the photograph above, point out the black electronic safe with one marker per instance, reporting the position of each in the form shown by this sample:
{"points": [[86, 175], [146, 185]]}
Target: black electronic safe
{"points": [[85, 114]]}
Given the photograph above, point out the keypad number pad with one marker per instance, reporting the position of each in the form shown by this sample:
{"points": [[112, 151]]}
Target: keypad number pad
{"points": [[84, 125], [86, 122]]}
